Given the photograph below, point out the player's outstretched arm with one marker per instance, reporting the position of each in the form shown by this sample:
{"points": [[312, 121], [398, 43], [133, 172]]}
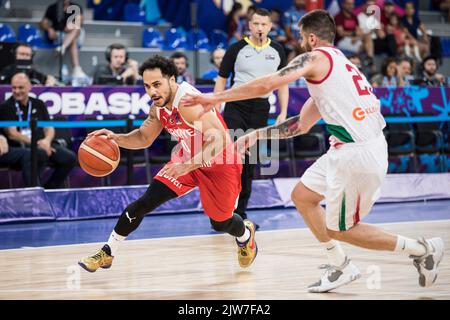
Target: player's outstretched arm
{"points": [[294, 126], [139, 138], [301, 66]]}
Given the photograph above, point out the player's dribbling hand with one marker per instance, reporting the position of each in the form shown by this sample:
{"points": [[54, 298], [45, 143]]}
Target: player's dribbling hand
{"points": [[246, 142], [207, 101], [176, 170], [105, 132]]}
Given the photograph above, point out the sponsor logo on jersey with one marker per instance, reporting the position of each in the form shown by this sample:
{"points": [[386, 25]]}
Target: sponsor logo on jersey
{"points": [[359, 114]]}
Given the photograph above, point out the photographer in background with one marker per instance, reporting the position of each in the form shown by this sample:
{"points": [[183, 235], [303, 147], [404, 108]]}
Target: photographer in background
{"points": [[120, 70], [182, 64], [23, 55]]}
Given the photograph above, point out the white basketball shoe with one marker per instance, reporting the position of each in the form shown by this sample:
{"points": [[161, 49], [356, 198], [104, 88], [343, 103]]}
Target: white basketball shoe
{"points": [[335, 276], [427, 265]]}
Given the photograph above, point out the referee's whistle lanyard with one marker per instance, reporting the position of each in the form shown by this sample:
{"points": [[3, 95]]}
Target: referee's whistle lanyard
{"points": [[25, 130]]}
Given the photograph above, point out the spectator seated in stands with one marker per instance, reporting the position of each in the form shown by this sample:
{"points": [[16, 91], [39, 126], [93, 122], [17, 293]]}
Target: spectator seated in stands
{"points": [[356, 60], [406, 44], [64, 19], [416, 29], [120, 70], [181, 62], [17, 158], [23, 54], [349, 36], [429, 76], [391, 75], [216, 60], [388, 10], [376, 38], [291, 28], [406, 69], [21, 107]]}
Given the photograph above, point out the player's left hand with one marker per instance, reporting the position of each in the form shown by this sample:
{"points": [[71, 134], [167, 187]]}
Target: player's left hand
{"points": [[208, 101], [176, 170]]}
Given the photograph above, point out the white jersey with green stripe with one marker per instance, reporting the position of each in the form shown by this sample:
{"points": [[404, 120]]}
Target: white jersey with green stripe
{"points": [[346, 101]]}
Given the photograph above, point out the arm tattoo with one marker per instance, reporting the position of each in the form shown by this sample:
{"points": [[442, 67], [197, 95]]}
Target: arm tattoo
{"points": [[287, 129], [297, 63]]}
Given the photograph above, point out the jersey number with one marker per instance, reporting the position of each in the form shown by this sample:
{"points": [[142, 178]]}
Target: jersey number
{"points": [[362, 91]]}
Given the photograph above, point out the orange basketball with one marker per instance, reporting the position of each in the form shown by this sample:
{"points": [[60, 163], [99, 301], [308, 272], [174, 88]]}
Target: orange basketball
{"points": [[98, 155]]}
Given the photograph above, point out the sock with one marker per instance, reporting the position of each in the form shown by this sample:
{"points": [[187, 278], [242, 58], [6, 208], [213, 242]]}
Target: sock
{"points": [[407, 51], [336, 255], [245, 236], [409, 246], [417, 53], [114, 241]]}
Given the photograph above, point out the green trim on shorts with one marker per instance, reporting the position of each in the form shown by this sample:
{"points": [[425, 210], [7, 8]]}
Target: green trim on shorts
{"points": [[339, 132], [342, 216]]}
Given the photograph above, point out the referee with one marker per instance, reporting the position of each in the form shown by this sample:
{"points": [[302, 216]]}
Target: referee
{"points": [[246, 60]]}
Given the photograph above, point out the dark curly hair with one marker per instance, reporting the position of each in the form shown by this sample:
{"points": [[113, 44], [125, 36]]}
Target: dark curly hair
{"points": [[166, 66]]}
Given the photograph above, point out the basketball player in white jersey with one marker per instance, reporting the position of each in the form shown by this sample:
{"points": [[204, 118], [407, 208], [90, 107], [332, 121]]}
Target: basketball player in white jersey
{"points": [[350, 174]]}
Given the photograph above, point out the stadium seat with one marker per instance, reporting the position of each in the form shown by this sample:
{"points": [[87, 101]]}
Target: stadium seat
{"points": [[175, 39], [140, 157], [133, 13], [429, 144], [7, 171], [445, 129], [197, 40], [30, 35], [219, 39], [310, 145], [7, 33], [152, 38], [401, 145]]}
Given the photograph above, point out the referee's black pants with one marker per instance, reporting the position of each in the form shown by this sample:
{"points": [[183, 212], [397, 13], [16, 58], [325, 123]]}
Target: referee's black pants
{"points": [[245, 115]]}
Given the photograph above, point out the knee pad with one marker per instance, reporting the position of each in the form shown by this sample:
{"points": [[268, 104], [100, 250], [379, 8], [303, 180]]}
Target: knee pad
{"points": [[234, 226]]}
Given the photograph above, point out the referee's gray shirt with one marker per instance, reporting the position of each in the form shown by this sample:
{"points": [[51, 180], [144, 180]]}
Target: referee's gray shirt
{"points": [[246, 61]]}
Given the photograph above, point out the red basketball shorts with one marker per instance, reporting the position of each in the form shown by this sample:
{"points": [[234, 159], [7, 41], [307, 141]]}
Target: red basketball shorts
{"points": [[219, 188]]}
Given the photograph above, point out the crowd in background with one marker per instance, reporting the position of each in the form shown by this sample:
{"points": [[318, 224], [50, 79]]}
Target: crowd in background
{"points": [[393, 49]]}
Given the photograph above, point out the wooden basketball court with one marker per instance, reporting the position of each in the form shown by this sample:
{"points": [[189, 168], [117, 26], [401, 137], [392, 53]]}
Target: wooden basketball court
{"points": [[205, 267]]}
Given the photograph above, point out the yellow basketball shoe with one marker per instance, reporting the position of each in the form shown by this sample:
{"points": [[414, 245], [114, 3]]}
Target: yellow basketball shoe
{"points": [[248, 250], [102, 259]]}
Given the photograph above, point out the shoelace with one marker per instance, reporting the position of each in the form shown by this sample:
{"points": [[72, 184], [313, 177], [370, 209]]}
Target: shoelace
{"points": [[329, 269], [99, 255]]}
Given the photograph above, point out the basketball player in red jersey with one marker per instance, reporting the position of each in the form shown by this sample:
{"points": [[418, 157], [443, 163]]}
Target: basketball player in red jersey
{"points": [[204, 158]]}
